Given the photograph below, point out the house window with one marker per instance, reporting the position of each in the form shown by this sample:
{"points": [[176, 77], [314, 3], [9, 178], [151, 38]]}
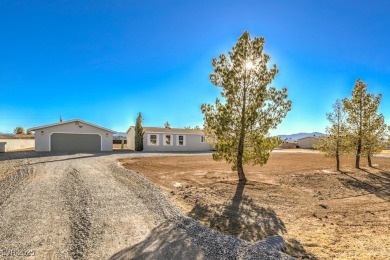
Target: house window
{"points": [[202, 139], [181, 140], [153, 139], [168, 140]]}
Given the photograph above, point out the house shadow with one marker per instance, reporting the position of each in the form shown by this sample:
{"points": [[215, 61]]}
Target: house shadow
{"points": [[15, 155], [56, 156], [245, 219]]}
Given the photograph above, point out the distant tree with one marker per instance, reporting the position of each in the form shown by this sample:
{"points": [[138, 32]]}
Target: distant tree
{"points": [[238, 126], [19, 130], [29, 132], [139, 133], [375, 136], [367, 126], [60, 119], [167, 125], [336, 142], [195, 128]]}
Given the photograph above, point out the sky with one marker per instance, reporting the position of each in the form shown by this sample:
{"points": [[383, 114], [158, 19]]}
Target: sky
{"points": [[106, 61]]}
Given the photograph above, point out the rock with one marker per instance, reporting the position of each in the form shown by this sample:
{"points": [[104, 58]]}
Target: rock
{"points": [[323, 206]]}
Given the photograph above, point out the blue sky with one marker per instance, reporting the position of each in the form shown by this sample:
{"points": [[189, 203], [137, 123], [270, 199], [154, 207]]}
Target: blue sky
{"points": [[105, 61]]}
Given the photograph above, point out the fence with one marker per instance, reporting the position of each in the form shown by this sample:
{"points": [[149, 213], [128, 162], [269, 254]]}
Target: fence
{"points": [[8, 145], [119, 141]]}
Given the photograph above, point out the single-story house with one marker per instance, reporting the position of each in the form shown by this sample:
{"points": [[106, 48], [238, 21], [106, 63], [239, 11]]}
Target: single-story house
{"points": [[72, 136], [158, 139], [308, 142]]}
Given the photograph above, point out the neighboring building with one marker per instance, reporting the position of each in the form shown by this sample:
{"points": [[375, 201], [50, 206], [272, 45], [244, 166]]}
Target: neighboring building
{"points": [[286, 145], [72, 136], [158, 139], [308, 142]]}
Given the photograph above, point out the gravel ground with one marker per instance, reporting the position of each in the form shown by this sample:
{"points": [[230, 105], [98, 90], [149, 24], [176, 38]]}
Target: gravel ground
{"points": [[86, 206]]}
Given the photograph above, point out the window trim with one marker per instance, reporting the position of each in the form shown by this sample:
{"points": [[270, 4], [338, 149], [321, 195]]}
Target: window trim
{"points": [[204, 139], [184, 140], [164, 139], [157, 140]]}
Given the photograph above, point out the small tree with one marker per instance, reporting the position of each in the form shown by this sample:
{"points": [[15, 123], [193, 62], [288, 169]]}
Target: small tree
{"points": [[238, 126], [335, 143], [363, 120], [167, 125], [29, 132], [19, 130], [139, 133], [374, 138]]}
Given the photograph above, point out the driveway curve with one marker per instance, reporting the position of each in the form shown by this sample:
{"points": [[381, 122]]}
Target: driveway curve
{"points": [[86, 206]]}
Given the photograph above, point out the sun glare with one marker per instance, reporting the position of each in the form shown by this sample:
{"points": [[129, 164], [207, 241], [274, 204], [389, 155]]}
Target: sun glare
{"points": [[249, 65]]}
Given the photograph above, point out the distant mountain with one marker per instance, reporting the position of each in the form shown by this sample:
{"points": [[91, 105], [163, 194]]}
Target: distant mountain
{"points": [[299, 135], [120, 134]]}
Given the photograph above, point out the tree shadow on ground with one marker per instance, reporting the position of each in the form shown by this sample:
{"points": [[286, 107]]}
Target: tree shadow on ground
{"points": [[166, 241], [187, 239], [241, 218], [296, 249], [372, 183], [245, 219]]}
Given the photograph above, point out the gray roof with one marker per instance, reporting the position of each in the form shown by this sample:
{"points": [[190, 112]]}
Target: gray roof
{"points": [[171, 130], [70, 121]]}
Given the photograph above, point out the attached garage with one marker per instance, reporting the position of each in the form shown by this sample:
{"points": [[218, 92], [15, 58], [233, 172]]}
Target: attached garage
{"points": [[73, 136]]}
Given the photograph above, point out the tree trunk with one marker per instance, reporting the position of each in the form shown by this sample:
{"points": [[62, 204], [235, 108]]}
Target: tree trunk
{"points": [[358, 153], [337, 155], [240, 153], [369, 160]]}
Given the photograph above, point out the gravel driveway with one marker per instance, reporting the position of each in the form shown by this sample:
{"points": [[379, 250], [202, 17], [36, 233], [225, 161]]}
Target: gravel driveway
{"points": [[86, 206]]}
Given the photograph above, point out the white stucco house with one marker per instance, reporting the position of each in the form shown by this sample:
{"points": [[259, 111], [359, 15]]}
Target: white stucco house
{"points": [[308, 142], [158, 139], [72, 136]]}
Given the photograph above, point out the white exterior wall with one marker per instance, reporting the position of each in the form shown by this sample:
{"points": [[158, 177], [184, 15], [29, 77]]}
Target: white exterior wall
{"points": [[308, 142], [42, 141], [192, 143]]}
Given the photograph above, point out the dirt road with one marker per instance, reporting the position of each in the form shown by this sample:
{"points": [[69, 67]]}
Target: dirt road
{"points": [[85, 206]]}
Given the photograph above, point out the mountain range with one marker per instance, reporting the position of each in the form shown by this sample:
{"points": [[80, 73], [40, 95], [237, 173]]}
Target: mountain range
{"points": [[299, 135], [117, 134]]}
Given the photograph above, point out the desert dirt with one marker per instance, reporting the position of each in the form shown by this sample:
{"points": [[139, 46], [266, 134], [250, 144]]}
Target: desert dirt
{"points": [[87, 206], [80, 206], [321, 213]]}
